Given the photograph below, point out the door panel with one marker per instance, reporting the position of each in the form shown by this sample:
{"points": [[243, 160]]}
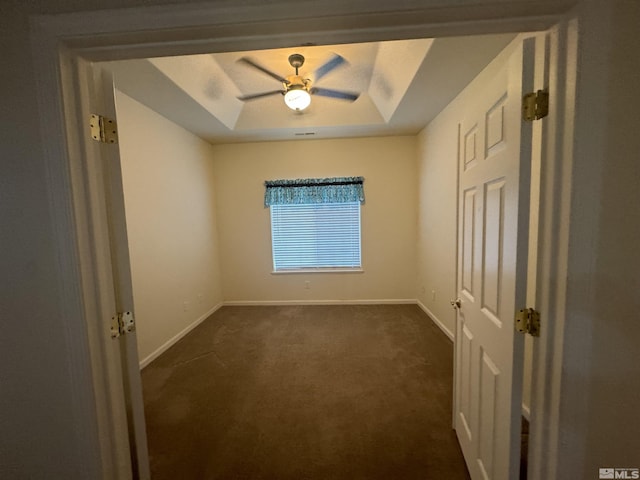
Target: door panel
{"points": [[492, 253], [470, 151], [493, 175], [487, 398], [495, 128], [468, 239], [465, 379]]}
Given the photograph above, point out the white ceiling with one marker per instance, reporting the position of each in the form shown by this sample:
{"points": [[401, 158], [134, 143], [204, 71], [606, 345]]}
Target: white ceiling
{"points": [[403, 85]]}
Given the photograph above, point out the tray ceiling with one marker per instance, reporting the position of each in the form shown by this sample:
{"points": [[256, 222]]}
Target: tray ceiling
{"points": [[402, 84]]}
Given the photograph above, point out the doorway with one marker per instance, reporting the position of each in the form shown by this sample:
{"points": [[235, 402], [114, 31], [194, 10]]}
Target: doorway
{"points": [[78, 154], [238, 159]]}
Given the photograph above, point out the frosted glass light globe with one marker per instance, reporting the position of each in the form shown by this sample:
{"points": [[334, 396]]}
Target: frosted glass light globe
{"points": [[297, 99]]}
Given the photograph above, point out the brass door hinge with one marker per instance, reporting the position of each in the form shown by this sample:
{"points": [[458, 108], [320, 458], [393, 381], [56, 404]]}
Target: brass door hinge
{"points": [[103, 129], [122, 323], [535, 105], [528, 321]]}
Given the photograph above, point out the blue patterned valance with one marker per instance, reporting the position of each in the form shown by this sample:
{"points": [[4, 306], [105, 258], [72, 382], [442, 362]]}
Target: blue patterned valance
{"points": [[314, 190]]}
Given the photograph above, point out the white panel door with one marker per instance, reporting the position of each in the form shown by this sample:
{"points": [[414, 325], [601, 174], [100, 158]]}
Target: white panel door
{"points": [[494, 174], [121, 352]]}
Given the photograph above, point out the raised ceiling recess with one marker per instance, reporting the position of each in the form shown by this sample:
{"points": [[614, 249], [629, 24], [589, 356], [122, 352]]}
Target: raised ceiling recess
{"points": [[382, 88]]}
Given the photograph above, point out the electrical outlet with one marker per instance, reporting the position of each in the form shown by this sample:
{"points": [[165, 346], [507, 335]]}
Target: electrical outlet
{"points": [[307, 284], [185, 306]]}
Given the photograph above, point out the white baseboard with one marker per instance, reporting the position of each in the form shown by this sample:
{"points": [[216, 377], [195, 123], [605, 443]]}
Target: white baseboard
{"points": [[238, 303], [383, 301], [435, 319], [526, 412], [169, 343]]}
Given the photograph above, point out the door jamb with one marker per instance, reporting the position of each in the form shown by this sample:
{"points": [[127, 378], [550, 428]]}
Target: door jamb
{"points": [[62, 44], [553, 250]]}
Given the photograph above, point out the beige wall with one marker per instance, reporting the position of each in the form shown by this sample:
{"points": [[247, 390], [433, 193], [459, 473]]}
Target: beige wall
{"points": [[437, 177], [170, 212], [173, 226], [388, 217]]}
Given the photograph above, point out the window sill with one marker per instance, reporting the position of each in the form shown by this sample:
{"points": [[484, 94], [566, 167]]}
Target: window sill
{"points": [[317, 270]]}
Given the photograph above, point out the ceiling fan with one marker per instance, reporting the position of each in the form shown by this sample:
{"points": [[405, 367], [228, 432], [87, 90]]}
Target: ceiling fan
{"points": [[297, 89]]}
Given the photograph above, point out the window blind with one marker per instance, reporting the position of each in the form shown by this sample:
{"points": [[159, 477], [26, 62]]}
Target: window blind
{"points": [[316, 236]]}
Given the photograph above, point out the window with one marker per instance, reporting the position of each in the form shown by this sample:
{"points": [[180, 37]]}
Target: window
{"points": [[315, 223], [316, 236]]}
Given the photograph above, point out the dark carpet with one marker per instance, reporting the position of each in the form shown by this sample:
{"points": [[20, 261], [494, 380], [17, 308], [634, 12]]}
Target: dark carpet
{"points": [[305, 392]]}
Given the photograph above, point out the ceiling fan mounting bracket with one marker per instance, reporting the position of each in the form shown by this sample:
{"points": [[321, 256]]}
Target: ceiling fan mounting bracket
{"points": [[296, 61]]}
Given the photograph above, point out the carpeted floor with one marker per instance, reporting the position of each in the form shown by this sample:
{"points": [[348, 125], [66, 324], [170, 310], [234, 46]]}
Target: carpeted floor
{"points": [[305, 392]]}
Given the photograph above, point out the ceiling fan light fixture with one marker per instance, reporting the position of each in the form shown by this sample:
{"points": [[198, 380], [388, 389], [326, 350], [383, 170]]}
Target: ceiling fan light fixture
{"points": [[297, 98], [297, 89]]}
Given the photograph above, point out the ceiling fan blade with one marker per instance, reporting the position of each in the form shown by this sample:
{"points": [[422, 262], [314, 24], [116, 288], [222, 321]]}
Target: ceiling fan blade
{"points": [[326, 92], [253, 96], [334, 62], [253, 64]]}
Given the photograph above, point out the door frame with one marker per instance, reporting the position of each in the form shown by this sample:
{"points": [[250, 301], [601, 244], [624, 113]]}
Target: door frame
{"points": [[65, 45]]}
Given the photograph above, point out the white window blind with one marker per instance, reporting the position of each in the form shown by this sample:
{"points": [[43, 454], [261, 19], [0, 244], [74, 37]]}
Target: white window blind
{"points": [[316, 236]]}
